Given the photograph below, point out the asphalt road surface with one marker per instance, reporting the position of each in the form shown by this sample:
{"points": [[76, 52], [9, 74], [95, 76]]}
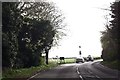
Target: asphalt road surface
{"points": [[78, 71]]}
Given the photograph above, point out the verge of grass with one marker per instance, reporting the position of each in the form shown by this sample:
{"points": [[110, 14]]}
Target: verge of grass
{"points": [[26, 72], [112, 64]]}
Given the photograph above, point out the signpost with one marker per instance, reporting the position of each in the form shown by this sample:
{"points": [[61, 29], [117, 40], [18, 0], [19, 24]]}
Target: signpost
{"points": [[80, 50]]}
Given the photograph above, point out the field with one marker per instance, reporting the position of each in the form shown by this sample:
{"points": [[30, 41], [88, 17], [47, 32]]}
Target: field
{"points": [[66, 60]]}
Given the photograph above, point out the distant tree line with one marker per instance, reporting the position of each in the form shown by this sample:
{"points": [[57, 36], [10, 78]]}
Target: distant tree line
{"points": [[110, 37], [28, 30]]}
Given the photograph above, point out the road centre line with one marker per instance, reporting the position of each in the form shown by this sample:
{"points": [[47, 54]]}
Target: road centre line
{"points": [[81, 77], [79, 74], [77, 70]]}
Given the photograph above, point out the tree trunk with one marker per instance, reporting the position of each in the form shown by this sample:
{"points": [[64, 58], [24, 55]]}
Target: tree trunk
{"points": [[46, 56]]}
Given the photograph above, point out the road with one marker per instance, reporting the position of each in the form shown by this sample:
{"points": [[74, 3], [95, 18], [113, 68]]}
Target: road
{"points": [[78, 71]]}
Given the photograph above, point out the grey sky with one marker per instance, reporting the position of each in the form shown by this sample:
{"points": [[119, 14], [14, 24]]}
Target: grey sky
{"points": [[84, 20]]}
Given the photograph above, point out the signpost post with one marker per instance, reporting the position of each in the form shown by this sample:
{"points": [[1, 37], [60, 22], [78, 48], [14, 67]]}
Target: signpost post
{"points": [[80, 51]]}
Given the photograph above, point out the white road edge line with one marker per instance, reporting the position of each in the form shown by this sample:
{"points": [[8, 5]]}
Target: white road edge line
{"points": [[32, 76]]}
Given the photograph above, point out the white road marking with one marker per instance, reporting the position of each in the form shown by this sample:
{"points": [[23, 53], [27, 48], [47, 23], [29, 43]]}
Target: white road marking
{"points": [[32, 76], [77, 68], [79, 74], [97, 76], [81, 77]]}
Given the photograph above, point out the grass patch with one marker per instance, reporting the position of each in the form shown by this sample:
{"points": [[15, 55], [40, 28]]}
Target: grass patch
{"points": [[70, 60], [26, 72], [112, 64], [65, 61]]}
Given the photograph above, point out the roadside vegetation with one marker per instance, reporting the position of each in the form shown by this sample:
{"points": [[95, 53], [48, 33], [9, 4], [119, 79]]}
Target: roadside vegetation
{"points": [[28, 72], [112, 64], [29, 29], [110, 38], [25, 73]]}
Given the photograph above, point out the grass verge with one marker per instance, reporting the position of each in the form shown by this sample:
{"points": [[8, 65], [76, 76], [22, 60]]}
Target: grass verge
{"points": [[112, 64], [26, 72]]}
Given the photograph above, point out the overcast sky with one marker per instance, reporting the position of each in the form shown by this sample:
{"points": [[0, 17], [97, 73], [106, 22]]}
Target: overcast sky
{"points": [[84, 20]]}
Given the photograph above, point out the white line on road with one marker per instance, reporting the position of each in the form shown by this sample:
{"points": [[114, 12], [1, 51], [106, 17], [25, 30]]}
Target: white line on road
{"points": [[98, 77], [77, 68], [79, 74], [81, 77], [32, 76]]}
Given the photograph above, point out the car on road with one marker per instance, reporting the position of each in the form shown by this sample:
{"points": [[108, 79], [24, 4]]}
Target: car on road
{"points": [[80, 59], [90, 58], [85, 58]]}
